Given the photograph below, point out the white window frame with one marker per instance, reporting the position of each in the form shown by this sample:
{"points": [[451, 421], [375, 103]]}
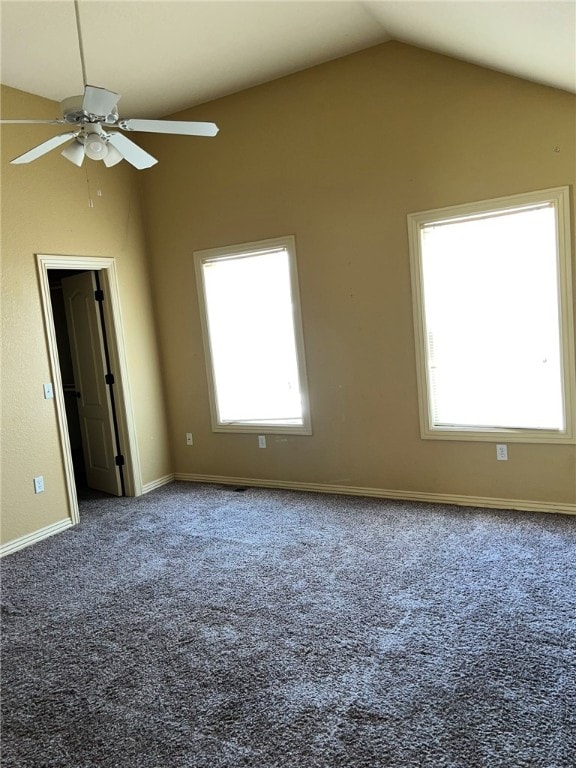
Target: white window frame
{"points": [[287, 243], [559, 198]]}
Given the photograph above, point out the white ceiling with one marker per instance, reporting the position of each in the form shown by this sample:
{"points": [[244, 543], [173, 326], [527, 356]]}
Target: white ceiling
{"points": [[166, 55]]}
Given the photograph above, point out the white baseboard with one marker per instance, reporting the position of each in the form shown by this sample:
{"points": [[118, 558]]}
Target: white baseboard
{"points": [[33, 538], [523, 505], [381, 493], [147, 487]]}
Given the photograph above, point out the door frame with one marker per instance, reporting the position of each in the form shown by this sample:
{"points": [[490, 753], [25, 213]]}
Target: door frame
{"points": [[106, 267]]}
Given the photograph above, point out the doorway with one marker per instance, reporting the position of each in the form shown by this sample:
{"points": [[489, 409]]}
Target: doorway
{"points": [[87, 381], [90, 384]]}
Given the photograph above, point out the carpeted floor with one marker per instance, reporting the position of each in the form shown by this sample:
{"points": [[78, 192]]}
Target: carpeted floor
{"points": [[203, 627]]}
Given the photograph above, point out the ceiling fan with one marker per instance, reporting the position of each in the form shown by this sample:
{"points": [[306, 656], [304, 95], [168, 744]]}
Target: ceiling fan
{"points": [[89, 113]]}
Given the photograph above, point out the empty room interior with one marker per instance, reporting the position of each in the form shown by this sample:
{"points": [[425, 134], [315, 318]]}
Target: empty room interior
{"points": [[324, 295]]}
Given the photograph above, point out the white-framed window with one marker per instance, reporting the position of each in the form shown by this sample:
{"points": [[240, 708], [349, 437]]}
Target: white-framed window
{"points": [[491, 284], [253, 340]]}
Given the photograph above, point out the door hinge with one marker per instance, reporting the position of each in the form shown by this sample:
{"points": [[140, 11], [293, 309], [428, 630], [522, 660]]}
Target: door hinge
{"points": [[109, 378], [119, 460], [99, 295]]}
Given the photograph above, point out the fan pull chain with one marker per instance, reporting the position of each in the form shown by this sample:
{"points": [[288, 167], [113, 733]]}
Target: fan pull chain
{"points": [[80, 43], [90, 201]]}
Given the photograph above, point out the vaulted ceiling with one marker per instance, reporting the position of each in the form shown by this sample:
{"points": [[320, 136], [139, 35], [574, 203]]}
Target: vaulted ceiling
{"points": [[166, 55]]}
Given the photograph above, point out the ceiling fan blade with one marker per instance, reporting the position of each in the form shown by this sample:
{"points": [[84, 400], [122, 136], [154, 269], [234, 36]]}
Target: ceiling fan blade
{"points": [[99, 101], [131, 152], [169, 126], [33, 122], [46, 146]]}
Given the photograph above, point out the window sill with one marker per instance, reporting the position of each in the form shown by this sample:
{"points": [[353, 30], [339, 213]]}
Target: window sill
{"points": [[495, 435], [264, 428]]}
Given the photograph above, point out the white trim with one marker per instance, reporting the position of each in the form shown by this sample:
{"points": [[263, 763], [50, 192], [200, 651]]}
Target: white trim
{"points": [[33, 538], [126, 424], [147, 487], [43, 264], [559, 199], [288, 244], [524, 505]]}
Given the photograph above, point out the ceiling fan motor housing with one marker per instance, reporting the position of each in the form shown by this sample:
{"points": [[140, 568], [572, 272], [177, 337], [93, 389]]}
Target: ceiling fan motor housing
{"points": [[73, 112]]}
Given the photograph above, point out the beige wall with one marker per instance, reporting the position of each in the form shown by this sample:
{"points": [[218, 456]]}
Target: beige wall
{"points": [[338, 155], [45, 210]]}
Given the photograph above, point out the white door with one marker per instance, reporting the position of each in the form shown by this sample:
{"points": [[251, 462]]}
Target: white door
{"points": [[89, 364]]}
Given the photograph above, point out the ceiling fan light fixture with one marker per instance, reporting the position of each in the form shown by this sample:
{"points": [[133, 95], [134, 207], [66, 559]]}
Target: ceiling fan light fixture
{"points": [[74, 152], [95, 148], [113, 157]]}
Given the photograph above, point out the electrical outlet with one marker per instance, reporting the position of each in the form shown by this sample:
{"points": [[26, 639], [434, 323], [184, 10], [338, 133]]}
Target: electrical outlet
{"points": [[261, 441], [48, 392], [189, 440], [502, 452], [39, 484]]}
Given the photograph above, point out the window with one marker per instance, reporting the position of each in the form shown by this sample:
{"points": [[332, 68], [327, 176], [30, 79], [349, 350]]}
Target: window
{"points": [[253, 337], [492, 312]]}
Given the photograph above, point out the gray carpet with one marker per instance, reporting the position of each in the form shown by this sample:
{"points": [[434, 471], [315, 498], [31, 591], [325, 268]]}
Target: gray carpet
{"points": [[202, 627]]}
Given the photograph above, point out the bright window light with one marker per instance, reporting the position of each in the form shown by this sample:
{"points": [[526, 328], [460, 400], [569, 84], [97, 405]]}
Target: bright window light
{"points": [[494, 334], [253, 337]]}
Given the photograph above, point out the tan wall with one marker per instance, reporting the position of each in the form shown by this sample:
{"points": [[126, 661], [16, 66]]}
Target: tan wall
{"points": [[338, 155], [45, 210]]}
